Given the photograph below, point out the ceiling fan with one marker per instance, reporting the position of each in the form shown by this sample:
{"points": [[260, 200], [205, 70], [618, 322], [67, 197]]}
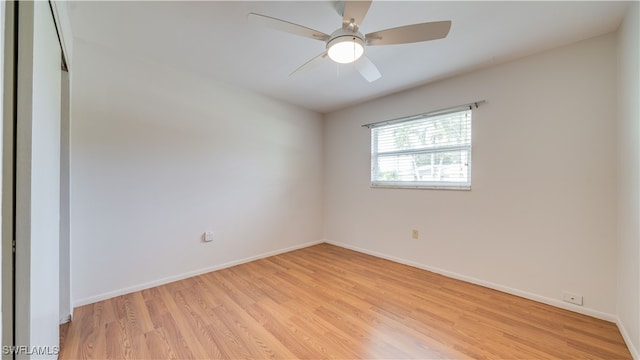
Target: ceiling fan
{"points": [[347, 44]]}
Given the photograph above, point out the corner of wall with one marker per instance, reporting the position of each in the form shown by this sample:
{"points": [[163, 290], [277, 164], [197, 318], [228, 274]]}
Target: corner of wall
{"points": [[628, 172], [627, 339]]}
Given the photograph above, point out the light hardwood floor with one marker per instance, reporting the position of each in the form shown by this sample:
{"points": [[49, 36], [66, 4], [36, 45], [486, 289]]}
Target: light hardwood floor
{"points": [[329, 302]]}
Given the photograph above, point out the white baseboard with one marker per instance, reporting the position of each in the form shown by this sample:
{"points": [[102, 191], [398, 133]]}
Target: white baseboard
{"points": [[170, 279], [527, 295], [65, 319], [487, 284], [627, 339]]}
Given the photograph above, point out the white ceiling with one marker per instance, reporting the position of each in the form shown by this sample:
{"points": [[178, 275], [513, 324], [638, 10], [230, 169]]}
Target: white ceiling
{"points": [[213, 38]]}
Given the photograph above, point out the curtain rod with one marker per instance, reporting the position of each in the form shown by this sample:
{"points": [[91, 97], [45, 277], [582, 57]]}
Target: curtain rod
{"points": [[430, 113]]}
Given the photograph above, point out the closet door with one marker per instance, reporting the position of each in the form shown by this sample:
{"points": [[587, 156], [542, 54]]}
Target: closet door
{"points": [[37, 182], [6, 247]]}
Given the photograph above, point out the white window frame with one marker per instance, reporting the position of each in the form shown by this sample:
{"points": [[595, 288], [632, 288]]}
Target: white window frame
{"points": [[447, 185]]}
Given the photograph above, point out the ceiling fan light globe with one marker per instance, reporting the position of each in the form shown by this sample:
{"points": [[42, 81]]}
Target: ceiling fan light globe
{"points": [[345, 50]]}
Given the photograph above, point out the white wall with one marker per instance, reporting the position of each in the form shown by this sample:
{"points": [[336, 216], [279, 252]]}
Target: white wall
{"points": [[629, 179], [541, 216], [158, 156]]}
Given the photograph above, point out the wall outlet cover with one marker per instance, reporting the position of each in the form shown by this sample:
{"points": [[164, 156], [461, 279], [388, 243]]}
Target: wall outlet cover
{"points": [[572, 298]]}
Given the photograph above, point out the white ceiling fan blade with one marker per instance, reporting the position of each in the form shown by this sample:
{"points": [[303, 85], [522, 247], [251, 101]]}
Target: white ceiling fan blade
{"points": [[310, 64], [355, 11], [286, 26], [368, 69], [410, 33]]}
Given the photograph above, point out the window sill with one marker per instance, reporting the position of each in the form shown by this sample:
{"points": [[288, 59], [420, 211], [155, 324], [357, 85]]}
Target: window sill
{"points": [[421, 186]]}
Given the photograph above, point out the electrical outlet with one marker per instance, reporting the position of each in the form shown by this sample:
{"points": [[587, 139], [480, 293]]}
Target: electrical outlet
{"points": [[572, 298], [208, 236], [415, 234]]}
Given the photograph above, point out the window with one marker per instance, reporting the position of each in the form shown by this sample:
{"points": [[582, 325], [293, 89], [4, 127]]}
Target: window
{"points": [[430, 151]]}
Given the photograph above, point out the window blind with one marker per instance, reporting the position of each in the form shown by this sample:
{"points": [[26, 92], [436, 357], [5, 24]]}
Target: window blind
{"points": [[426, 151]]}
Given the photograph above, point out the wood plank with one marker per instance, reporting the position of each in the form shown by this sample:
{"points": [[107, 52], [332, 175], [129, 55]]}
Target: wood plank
{"points": [[331, 303]]}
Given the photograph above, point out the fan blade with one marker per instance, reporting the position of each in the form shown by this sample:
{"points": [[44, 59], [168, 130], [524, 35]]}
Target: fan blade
{"points": [[354, 12], [286, 26], [367, 69], [311, 63], [410, 33]]}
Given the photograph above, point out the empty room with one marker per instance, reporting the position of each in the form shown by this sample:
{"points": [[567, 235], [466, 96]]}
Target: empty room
{"points": [[321, 179]]}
